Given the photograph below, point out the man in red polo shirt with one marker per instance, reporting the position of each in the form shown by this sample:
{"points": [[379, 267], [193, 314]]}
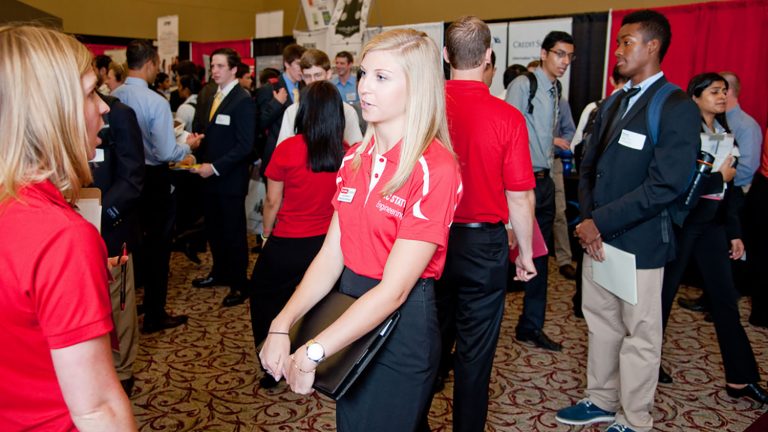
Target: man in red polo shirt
{"points": [[491, 141]]}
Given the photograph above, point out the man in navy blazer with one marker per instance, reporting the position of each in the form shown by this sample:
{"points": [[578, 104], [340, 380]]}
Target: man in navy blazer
{"points": [[225, 156], [627, 187]]}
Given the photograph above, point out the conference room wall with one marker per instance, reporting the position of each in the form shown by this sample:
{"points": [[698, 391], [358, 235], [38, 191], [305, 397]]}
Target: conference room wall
{"points": [[216, 20]]}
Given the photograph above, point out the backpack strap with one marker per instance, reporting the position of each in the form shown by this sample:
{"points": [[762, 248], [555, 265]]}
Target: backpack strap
{"points": [[534, 86], [653, 118]]}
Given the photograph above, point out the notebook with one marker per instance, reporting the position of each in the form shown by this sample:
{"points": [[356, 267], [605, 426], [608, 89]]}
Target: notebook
{"points": [[337, 373]]}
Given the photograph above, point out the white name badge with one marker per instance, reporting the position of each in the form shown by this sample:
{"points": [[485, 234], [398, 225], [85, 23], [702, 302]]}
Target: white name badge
{"points": [[222, 119], [99, 156], [347, 194], [632, 140]]}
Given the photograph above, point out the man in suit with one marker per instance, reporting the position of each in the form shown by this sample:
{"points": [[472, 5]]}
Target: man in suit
{"points": [[118, 171], [225, 156], [273, 99], [627, 188]]}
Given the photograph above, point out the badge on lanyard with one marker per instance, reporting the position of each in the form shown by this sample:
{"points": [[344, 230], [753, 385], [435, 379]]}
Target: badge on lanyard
{"points": [[347, 194]]}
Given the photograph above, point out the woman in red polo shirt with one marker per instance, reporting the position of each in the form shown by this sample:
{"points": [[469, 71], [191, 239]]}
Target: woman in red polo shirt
{"points": [[396, 195], [55, 312], [302, 182]]}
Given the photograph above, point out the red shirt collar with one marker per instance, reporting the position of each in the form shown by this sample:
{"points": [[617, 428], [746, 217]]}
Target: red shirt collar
{"points": [[392, 155], [465, 86]]}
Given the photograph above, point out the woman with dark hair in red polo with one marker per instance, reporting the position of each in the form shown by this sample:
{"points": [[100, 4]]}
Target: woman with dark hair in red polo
{"points": [[397, 191], [297, 210]]}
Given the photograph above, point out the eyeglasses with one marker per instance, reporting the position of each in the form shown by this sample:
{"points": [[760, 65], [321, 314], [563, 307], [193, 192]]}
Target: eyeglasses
{"points": [[562, 54]]}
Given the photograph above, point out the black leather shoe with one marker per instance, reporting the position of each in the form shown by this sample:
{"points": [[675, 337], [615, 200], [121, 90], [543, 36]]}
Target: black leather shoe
{"points": [[267, 382], [540, 340], [234, 298], [695, 305], [166, 322], [205, 282], [127, 386], [191, 255], [664, 377], [752, 391], [568, 272]]}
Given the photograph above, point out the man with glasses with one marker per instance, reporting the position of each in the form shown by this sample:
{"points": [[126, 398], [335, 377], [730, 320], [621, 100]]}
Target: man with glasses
{"points": [[541, 112], [316, 66]]}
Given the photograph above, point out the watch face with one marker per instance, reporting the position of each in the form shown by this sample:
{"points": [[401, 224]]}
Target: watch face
{"points": [[315, 352]]}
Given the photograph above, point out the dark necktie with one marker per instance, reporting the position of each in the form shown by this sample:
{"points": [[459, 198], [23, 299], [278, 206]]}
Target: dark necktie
{"points": [[617, 115]]}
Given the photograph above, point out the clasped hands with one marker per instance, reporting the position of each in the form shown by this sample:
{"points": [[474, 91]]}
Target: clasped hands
{"points": [[298, 370], [590, 240]]}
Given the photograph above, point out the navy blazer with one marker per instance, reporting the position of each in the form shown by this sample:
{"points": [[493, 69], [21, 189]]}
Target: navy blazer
{"points": [[120, 177], [271, 117], [626, 191], [228, 146]]}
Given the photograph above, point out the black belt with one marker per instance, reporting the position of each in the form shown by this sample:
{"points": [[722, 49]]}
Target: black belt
{"points": [[478, 225], [541, 174]]}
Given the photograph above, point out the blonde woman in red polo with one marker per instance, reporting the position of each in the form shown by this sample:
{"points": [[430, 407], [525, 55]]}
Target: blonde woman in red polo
{"points": [[395, 200]]}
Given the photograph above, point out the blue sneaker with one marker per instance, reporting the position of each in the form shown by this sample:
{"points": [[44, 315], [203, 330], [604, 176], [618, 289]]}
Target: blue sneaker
{"points": [[618, 427], [584, 413]]}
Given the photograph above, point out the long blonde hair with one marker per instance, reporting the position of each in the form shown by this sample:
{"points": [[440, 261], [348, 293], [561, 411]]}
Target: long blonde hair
{"points": [[419, 58], [42, 110]]}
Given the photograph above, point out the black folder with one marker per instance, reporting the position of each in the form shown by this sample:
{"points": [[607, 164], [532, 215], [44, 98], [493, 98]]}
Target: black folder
{"points": [[338, 372]]}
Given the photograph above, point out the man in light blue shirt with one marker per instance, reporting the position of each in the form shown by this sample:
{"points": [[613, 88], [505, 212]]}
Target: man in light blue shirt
{"points": [[157, 203], [746, 131], [541, 117], [344, 80]]}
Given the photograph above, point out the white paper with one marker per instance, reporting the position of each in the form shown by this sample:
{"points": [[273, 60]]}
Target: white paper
{"points": [[719, 146], [89, 206], [617, 273]]}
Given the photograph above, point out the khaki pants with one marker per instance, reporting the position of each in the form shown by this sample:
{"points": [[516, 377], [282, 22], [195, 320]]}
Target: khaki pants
{"points": [[563, 253], [126, 321], [624, 347]]}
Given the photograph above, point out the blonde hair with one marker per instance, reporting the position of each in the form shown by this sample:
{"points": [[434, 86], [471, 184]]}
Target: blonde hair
{"points": [[118, 69], [425, 120], [44, 135]]}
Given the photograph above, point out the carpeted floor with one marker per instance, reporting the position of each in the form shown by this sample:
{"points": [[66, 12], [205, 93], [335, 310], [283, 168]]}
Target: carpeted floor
{"points": [[204, 376]]}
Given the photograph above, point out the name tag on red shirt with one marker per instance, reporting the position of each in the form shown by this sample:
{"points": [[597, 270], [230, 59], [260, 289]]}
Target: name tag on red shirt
{"points": [[346, 194]]}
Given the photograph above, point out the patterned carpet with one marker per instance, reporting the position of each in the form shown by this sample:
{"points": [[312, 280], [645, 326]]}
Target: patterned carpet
{"points": [[204, 377]]}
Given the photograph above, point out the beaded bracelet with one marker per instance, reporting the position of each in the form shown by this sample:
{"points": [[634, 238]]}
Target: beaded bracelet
{"points": [[296, 366]]}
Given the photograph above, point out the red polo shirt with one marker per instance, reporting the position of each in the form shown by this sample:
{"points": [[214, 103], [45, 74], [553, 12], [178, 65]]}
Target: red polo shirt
{"points": [[306, 209], [53, 294], [491, 140], [422, 209]]}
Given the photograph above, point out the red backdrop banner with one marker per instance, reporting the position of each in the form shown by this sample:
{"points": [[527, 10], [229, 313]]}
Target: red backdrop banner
{"points": [[715, 37], [199, 49]]}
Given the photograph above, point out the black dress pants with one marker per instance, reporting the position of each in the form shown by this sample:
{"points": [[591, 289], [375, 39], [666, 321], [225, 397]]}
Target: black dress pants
{"points": [[470, 309], [279, 269], [225, 228], [535, 299], [708, 245], [756, 215], [158, 215]]}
